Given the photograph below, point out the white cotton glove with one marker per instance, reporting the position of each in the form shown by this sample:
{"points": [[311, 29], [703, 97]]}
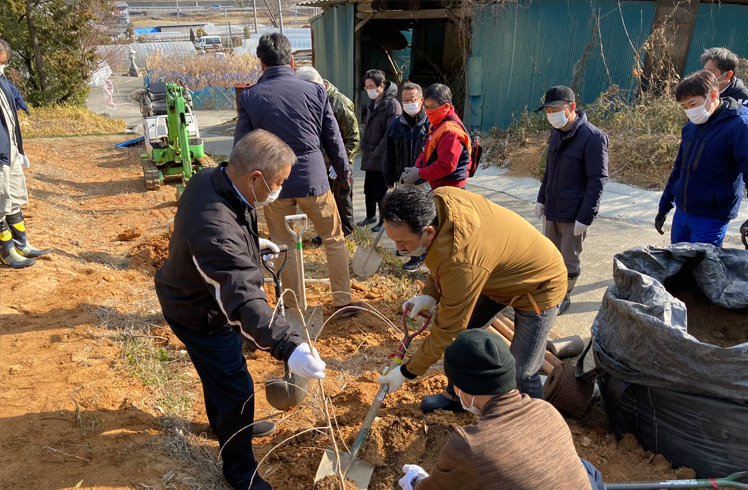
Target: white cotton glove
{"points": [[418, 304], [25, 161], [268, 258], [539, 210], [579, 228], [305, 362], [413, 473], [333, 175], [393, 378], [409, 176]]}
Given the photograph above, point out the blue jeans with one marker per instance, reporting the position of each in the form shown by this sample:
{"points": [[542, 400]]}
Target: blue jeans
{"points": [[530, 338], [697, 229], [228, 390]]}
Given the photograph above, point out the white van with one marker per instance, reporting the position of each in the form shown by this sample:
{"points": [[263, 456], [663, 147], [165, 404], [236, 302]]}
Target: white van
{"points": [[209, 42]]}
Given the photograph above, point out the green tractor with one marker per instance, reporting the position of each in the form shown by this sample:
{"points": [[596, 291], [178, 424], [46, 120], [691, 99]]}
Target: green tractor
{"points": [[172, 137]]}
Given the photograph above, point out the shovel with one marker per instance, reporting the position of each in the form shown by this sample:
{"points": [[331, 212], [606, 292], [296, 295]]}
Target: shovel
{"points": [[366, 261], [727, 482], [313, 315], [286, 392], [355, 470]]}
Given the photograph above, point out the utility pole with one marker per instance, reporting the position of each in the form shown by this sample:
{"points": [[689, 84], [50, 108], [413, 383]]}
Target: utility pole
{"points": [[280, 16], [254, 7], [226, 14]]}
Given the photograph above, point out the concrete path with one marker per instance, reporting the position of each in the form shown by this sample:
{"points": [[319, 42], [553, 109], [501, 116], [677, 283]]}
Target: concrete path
{"points": [[625, 221]]}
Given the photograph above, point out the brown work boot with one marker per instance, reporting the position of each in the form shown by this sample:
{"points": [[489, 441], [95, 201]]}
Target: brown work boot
{"points": [[349, 310]]}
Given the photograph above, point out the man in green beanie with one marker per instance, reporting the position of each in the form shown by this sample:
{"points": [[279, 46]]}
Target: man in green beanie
{"points": [[517, 443]]}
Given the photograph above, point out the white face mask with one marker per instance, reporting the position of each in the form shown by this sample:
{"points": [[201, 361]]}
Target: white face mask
{"points": [[557, 119], [418, 251], [412, 108], [2, 70], [372, 93], [698, 115], [472, 408], [272, 197]]}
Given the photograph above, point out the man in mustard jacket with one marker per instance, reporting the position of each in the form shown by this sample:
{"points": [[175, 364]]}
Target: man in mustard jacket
{"points": [[481, 258]]}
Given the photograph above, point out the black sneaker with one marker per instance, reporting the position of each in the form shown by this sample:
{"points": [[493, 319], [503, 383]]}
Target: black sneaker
{"points": [[366, 222], [317, 241], [413, 265], [564, 305], [377, 227], [262, 428]]}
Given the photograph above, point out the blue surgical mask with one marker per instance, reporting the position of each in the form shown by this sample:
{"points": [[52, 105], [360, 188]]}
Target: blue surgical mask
{"points": [[557, 119], [271, 197], [418, 251]]}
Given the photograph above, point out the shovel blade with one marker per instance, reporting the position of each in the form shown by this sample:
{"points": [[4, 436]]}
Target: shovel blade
{"points": [[360, 472], [286, 392], [366, 262], [313, 319]]}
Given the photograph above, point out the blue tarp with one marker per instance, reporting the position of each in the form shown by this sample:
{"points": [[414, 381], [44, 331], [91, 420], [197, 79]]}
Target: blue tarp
{"points": [[147, 30]]}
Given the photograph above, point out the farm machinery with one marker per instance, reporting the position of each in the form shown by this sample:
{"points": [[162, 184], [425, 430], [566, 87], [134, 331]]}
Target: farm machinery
{"points": [[173, 146]]}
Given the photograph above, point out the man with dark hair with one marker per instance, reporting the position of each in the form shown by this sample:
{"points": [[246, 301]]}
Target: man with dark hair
{"points": [[517, 443], [405, 142], [576, 172], [299, 113], [382, 111], [481, 258], [342, 108], [15, 249], [211, 293], [705, 185], [445, 159], [722, 63]]}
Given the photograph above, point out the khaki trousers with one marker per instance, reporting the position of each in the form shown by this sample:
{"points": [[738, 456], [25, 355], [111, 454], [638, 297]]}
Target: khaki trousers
{"points": [[323, 213], [13, 193], [570, 246]]}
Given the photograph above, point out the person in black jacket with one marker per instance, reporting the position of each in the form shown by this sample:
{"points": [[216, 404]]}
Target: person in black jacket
{"points": [[406, 140], [575, 174], [382, 111], [722, 63], [211, 293]]}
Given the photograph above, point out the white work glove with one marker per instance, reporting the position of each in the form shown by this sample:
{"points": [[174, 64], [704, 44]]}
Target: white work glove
{"points": [[305, 362], [409, 176], [413, 474], [418, 304], [268, 258], [394, 378], [539, 210], [579, 228], [24, 161], [333, 175]]}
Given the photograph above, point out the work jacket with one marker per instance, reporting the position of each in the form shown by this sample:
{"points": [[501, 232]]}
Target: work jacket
{"points": [[576, 172], [736, 90], [518, 443], [299, 113], [379, 117], [483, 248], [5, 140], [404, 144], [449, 162], [212, 277], [706, 178], [342, 109]]}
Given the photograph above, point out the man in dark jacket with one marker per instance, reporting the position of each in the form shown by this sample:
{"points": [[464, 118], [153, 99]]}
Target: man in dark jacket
{"points": [[722, 63], [445, 159], [705, 185], [517, 442], [382, 111], [20, 103], [342, 108], [405, 142], [299, 113], [211, 293], [575, 174], [15, 250]]}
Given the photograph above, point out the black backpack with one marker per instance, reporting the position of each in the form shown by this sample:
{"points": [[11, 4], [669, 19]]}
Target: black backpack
{"points": [[476, 150]]}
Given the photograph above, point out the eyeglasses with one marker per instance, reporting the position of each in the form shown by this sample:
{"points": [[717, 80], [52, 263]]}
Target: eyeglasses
{"points": [[432, 108]]}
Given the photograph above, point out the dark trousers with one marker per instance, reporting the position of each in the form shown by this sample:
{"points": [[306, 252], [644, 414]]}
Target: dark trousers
{"points": [[344, 201], [229, 401], [375, 187]]}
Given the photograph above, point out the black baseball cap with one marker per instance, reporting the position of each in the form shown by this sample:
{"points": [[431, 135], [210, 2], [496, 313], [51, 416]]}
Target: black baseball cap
{"points": [[557, 96]]}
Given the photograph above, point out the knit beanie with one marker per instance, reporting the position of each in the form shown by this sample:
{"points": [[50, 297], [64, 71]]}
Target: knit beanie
{"points": [[479, 363]]}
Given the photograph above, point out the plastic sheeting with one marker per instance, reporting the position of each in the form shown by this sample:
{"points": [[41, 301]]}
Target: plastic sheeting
{"points": [[100, 76]]}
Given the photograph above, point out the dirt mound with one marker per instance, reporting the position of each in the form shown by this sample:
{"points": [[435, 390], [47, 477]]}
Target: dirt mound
{"points": [[713, 324], [332, 482], [150, 255]]}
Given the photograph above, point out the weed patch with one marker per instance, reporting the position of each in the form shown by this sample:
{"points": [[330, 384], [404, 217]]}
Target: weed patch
{"points": [[47, 122]]}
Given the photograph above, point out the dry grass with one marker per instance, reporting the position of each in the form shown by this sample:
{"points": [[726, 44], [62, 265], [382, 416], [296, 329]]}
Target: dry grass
{"points": [[205, 71], [67, 121]]}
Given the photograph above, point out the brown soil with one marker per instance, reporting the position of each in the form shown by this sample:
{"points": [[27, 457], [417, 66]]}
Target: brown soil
{"points": [[713, 324], [332, 482], [75, 399]]}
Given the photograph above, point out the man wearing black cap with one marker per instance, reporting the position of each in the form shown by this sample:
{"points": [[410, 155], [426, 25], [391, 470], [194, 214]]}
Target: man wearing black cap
{"points": [[517, 443], [576, 171]]}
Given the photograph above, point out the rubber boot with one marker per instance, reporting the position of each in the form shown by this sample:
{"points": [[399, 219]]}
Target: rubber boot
{"points": [[18, 230], [8, 253], [566, 302], [446, 400]]}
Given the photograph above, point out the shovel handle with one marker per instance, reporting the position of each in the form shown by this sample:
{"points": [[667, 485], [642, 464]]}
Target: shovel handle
{"points": [[296, 218]]}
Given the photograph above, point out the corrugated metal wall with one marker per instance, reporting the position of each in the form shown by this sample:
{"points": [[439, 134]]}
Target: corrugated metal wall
{"points": [[333, 46], [521, 49], [718, 25]]}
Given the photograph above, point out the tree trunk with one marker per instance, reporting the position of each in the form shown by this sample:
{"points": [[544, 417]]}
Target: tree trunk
{"points": [[37, 49]]}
